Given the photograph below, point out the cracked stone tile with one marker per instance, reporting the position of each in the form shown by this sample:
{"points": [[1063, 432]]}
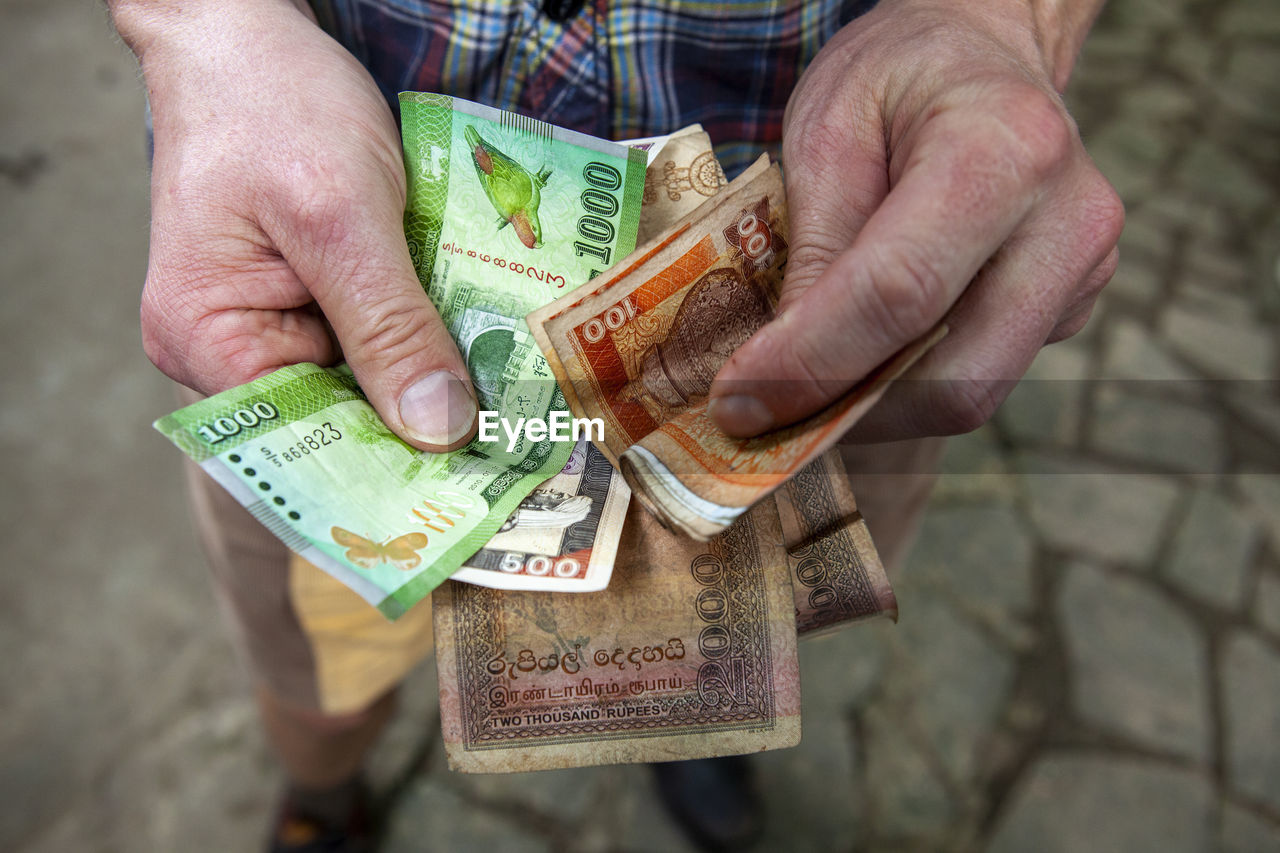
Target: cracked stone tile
{"points": [[1243, 107], [981, 553], [1147, 242], [1129, 155], [1134, 280], [1251, 682], [1227, 349], [1097, 511], [1253, 70], [810, 791], [952, 676], [1212, 550], [1256, 408], [1244, 832], [1262, 492], [564, 794], [838, 671], [1206, 278], [1190, 56], [643, 824], [1180, 209], [1158, 101], [1139, 668], [905, 797], [812, 801], [1149, 430], [434, 816], [973, 466], [1208, 169], [1266, 607], [1090, 803], [202, 782], [1250, 18], [1133, 353], [1143, 15], [1045, 405]]}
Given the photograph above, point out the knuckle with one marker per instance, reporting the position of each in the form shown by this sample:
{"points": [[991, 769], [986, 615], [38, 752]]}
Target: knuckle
{"points": [[389, 329], [964, 405], [160, 338], [1103, 216], [324, 214], [1037, 131], [906, 294], [821, 147], [1071, 326], [1106, 270]]}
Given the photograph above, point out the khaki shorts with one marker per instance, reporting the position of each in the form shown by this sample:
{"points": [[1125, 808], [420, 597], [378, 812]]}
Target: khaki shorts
{"points": [[314, 643]]}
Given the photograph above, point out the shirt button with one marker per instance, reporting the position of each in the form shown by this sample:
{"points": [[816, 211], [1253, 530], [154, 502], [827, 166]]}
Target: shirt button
{"points": [[561, 10]]}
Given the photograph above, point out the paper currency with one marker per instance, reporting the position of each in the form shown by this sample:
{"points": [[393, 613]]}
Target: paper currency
{"points": [[532, 681], [689, 653], [639, 347], [836, 574], [683, 174], [503, 213], [532, 550], [563, 537]]}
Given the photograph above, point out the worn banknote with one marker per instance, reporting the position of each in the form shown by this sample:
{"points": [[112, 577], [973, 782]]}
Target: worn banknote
{"points": [[690, 652], [503, 213], [639, 347], [683, 173], [564, 535], [836, 574]]}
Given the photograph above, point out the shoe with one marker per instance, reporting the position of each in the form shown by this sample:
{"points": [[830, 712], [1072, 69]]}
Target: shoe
{"points": [[300, 830], [714, 800]]}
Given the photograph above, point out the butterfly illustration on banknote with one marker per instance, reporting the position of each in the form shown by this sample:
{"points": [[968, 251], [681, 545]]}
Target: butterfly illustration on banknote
{"points": [[400, 552], [514, 191]]}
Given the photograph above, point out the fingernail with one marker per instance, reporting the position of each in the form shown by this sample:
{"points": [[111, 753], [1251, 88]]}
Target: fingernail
{"points": [[437, 409], [741, 414]]}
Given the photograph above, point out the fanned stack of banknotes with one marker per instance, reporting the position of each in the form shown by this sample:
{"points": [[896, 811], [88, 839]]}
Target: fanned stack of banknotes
{"points": [[594, 288]]}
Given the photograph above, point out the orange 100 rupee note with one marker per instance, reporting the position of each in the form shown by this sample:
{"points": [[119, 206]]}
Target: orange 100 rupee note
{"points": [[639, 346]]}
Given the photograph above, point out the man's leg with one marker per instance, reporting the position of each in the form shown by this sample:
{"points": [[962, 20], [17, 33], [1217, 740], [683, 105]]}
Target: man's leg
{"points": [[324, 663], [321, 751]]}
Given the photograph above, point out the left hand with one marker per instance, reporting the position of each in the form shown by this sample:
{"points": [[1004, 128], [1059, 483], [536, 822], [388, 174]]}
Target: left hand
{"points": [[932, 171]]}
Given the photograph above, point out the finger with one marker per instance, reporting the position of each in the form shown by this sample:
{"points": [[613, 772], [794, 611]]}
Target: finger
{"points": [[1078, 314], [355, 261], [212, 327], [1051, 270], [961, 193]]}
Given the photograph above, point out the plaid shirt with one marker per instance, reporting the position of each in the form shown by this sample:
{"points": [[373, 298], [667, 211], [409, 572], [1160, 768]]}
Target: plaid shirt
{"points": [[616, 70]]}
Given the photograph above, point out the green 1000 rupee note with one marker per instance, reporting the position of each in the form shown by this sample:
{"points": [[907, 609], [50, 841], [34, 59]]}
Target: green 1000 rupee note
{"points": [[504, 213]]}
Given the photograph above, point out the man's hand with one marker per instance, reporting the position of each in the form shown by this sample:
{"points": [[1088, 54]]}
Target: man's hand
{"points": [[277, 232], [932, 171]]}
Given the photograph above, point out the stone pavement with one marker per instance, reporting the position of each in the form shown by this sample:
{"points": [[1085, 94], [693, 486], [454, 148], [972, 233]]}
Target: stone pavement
{"points": [[1089, 651]]}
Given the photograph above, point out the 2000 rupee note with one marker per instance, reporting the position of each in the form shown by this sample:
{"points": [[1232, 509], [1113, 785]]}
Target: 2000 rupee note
{"points": [[690, 653]]}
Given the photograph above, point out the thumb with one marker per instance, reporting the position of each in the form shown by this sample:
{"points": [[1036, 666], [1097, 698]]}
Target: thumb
{"points": [[777, 375], [363, 279]]}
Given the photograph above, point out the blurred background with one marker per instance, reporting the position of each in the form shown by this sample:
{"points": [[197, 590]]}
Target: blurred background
{"points": [[1089, 650]]}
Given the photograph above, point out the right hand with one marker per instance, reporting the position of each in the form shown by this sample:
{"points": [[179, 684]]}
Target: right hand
{"points": [[277, 234]]}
